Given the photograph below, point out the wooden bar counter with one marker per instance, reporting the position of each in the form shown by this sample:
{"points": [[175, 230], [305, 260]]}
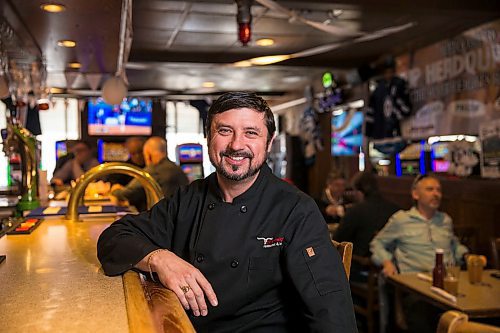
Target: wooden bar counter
{"points": [[51, 281]]}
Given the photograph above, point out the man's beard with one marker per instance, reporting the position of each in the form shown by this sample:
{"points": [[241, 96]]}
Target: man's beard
{"points": [[236, 177]]}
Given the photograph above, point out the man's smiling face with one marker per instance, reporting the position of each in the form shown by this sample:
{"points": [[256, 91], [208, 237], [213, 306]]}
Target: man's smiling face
{"points": [[238, 145]]}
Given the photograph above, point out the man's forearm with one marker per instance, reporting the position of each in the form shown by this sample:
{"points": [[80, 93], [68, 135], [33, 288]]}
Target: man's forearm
{"points": [[146, 264]]}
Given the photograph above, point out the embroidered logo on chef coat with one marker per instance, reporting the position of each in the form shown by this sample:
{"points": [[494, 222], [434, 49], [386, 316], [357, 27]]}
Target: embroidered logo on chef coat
{"points": [[271, 241]]}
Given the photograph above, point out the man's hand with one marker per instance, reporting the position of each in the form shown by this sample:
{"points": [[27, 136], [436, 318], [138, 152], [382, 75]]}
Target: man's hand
{"points": [[175, 274], [57, 182], [331, 210], [389, 268]]}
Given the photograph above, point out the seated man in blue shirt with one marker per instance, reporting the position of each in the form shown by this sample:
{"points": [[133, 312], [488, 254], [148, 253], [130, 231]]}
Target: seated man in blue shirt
{"points": [[409, 240]]}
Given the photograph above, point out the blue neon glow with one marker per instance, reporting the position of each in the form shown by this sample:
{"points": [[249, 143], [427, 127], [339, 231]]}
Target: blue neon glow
{"points": [[422, 158], [399, 171], [100, 150]]}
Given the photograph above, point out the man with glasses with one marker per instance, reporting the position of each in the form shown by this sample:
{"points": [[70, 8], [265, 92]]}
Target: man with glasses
{"points": [[409, 240]]}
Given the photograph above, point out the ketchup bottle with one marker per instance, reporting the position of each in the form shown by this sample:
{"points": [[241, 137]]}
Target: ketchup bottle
{"points": [[439, 272]]}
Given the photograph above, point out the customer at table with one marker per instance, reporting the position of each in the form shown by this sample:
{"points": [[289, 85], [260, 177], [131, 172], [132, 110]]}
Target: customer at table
{"points": [[251, 245], [333, 201], [134, 147], [168, 175], [408, 243], [364, 219], [72, 169]]}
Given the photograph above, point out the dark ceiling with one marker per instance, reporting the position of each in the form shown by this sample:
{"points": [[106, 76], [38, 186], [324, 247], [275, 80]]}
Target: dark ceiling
{"points": [[177, 45]]}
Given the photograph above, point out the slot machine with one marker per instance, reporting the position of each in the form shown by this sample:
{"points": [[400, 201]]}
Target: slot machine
{"points": [[190, 158]]}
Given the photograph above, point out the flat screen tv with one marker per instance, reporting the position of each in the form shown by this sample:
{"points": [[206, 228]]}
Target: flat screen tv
{"points": [[190, 152], [347, 136], [132, 117]]}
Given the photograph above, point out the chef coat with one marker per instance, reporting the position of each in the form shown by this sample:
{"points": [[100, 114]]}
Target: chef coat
{"points": [[267, 255]]}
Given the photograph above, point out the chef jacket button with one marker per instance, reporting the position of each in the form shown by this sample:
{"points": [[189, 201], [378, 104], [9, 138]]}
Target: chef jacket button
{"points": [[243, 209], [200, 257], [211, 206], [234, 263]]}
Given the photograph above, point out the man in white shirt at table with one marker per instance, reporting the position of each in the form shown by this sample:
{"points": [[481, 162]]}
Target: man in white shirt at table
{"points": [[409, 240]]}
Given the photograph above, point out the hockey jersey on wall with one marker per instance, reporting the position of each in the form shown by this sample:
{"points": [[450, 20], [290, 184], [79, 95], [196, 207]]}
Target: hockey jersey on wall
{"points": [[388, 105]]}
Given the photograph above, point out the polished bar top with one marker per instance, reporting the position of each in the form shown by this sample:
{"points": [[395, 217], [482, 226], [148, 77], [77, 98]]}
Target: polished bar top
{"points": [[476, 300], [52, 281]]}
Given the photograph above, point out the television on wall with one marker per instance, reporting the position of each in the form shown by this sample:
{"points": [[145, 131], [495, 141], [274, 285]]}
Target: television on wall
{"points": [[347, 136], [132, 117]]}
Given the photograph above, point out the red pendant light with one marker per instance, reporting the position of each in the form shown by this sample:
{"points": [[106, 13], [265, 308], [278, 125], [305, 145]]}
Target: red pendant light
{"points": [[244, 20]]}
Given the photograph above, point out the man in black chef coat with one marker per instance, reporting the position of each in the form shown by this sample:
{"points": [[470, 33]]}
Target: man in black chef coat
{"points": [[243, 250]]}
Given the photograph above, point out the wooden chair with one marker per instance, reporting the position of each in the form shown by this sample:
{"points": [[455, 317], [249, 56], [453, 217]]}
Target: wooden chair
{"points": [[368, 291], [467, 236], [458, 322], [345, 251], [495, 253]]}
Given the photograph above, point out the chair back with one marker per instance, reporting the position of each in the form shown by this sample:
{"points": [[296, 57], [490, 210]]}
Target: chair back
{"points": [[467, 236], [495, 252], [345, 251], [367, 291], [458, 322]]}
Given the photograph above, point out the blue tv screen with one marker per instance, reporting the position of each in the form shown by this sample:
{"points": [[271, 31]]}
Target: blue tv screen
{"points": [[347, 136], [132, 117]]}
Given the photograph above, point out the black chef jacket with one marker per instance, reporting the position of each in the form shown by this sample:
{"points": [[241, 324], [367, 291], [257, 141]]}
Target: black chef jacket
{"points": [[267, 255]]}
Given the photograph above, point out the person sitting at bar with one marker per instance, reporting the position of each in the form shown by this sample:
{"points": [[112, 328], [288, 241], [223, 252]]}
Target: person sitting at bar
{"points": [[363, 220], [333, 202], [252, 246], [408, 243], [73, 168], [168, 175], [134, 146]]}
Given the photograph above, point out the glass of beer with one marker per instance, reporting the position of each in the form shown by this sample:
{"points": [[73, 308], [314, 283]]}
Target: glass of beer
{"points": [[475, 265], [451, 279]]}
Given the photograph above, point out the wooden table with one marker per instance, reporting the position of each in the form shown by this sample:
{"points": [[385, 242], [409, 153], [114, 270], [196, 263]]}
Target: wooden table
{"points": [[476, 300]]}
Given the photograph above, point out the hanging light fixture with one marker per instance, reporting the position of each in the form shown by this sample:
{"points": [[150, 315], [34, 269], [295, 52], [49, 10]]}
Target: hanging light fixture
{"points": [[244, 20], [115, 88]]}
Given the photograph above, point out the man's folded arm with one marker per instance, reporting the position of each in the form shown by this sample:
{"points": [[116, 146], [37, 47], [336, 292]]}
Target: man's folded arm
{"points": [[125, 242]]}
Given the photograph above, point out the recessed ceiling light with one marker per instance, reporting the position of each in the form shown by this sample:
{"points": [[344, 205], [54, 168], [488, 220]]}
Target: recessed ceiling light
{"points": [[208, 84], [66, 43], [75, 65], [53, 7], [243, 63], [267, 60], [56, 90], [337, 12], [265, 42], [292, 79]]}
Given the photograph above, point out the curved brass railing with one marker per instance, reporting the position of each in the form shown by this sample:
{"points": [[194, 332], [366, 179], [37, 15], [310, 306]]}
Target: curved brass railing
{"points": [[153, 191]]}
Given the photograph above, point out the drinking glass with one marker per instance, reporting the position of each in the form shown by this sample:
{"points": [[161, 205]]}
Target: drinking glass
{"points": [[451, 279]]}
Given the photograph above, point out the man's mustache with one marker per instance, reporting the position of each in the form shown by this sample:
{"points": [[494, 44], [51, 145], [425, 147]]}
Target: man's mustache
{"points": [[236, 153]]}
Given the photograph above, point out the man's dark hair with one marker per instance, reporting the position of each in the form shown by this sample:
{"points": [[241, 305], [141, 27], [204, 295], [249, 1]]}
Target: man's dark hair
{"points": [[77, 142], [334, 175], [238, 100], [365, 182]]}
